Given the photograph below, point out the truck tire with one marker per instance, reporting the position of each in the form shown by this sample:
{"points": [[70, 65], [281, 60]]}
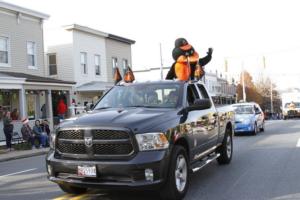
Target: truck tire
{"points": [[177, 182], [72, 189], [225, 150]]}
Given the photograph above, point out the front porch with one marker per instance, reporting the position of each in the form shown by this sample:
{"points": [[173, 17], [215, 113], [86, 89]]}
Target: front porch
{"points": [[33, 97]]}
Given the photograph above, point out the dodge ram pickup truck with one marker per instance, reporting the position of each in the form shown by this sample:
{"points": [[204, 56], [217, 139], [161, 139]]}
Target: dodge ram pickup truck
{"points": [[149, 136]]}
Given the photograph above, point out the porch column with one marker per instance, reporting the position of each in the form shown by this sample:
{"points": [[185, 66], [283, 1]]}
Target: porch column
{"points": [[49, 108], [23, 104]]}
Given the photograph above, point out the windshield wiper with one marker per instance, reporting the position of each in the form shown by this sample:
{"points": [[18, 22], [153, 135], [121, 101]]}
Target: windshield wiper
{"points": [[102, 108]]}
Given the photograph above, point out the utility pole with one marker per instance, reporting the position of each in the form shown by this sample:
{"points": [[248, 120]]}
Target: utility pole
{"points": [[243, 83], [271, 87], [161, 63]]}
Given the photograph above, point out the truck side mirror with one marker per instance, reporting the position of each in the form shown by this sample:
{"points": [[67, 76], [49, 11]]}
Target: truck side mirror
{"points": [[200, 104]]}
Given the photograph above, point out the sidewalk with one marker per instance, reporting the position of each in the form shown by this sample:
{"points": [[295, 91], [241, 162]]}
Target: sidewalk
{"points": [[12, 155]]}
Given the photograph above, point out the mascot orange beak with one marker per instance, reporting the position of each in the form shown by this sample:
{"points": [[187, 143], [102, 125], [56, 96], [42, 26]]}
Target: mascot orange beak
{"points": [[117, 76], [186, 47], [129, 77]]}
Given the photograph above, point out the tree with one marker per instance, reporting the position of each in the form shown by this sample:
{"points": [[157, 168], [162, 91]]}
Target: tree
{"points": [[251, 91], [263, 86]]}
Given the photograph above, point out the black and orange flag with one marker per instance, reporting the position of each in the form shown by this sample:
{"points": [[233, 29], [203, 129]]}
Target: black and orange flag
{"points": [[129, 77], [199, 72], [117, 76]]}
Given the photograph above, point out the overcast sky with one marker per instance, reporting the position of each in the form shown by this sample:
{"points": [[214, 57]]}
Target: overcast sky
{"points": [[241, 31]]}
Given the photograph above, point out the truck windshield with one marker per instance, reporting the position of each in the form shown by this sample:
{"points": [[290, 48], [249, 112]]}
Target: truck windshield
{"points": [[292, 105], [142, 95], [244, 109]]}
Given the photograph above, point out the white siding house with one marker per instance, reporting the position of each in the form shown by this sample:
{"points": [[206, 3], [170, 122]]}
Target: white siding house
{"points": [[24, 85], [85, 57]]}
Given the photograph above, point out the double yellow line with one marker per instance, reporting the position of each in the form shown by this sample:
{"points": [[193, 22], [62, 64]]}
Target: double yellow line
{"points": [[73, 197]]}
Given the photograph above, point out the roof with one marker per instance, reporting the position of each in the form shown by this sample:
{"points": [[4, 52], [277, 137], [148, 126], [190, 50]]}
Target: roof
{"points": [[19, 9], [86, 30], [33, 78], [89, 30], [120, 39], [94, 86]]}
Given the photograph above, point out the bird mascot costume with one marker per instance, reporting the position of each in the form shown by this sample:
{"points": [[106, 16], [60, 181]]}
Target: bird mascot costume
{"points": [[187, 65]]}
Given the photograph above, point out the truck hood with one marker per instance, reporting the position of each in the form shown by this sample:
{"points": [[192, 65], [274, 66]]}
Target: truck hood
{"points": [[137, 119]]}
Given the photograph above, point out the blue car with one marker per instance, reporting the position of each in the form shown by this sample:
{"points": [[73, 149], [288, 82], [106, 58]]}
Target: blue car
{"points": [[249, 118]]}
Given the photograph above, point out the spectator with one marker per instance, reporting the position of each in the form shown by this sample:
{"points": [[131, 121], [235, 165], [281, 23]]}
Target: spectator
{"points": [[27, 132], [61, 109], [8, 129], [46, 129], [43, 110], [38, 131], [15, 114]]}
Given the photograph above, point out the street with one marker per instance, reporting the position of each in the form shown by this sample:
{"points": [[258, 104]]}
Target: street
{"points": [[265, 166]]}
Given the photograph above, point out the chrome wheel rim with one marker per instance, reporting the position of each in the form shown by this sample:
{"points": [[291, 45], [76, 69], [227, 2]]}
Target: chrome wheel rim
{"points": [[181, 173], [228, 145]]}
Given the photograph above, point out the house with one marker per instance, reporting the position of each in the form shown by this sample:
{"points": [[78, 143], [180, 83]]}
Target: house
{"points": [[87, 57], [24, 86]]}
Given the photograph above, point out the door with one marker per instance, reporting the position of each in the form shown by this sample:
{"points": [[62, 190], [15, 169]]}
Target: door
{"points": [[259, 116], [200, 123], [213, 128]]}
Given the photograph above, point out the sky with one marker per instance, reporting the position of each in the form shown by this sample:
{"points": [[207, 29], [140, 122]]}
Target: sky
{"points": [[241, 32]]}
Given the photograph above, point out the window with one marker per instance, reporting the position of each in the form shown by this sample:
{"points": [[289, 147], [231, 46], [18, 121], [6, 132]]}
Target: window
{"points": [[192, 94], [125, 65], [114, 64], [52, 64], [31, 57], [202, 91], [97, 65], [3, 50], [83, 62]]}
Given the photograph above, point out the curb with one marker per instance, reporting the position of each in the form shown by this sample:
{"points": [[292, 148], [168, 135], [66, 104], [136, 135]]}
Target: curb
{"points": [[23, 156]]}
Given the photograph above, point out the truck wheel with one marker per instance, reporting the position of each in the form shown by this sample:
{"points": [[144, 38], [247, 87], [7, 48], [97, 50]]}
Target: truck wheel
{"points": [[177, 181], [225, 150], [72, 189]]}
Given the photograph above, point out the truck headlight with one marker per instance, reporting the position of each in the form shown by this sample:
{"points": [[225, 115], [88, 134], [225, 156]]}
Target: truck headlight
{"points": [[152, 141], [52, 140]]}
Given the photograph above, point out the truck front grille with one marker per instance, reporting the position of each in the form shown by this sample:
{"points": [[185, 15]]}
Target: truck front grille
{"points": [[112, 149], [71, 134], [105, 143], [71, 148]]}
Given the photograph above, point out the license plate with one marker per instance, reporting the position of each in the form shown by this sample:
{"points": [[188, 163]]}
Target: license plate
{"points": [[86, 171]]}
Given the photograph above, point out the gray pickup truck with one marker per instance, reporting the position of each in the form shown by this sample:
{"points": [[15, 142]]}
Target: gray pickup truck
{"points": [[149, 135]]}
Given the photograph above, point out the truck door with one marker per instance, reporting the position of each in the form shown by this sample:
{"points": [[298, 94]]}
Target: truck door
{"points": [[212, 126], [198, 121]]}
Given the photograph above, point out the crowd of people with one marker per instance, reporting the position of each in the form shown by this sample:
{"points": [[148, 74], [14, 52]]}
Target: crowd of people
{"points": [[37, 136]]}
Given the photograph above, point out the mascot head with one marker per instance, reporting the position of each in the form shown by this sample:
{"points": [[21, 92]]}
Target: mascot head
{"points": [[187, 60]]}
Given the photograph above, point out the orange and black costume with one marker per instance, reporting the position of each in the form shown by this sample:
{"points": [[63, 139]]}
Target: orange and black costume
{"points": [[187, 65]]}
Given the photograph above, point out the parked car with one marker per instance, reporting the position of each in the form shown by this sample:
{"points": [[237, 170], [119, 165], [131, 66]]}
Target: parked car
{"points": [[148, 135], [249, 118]]}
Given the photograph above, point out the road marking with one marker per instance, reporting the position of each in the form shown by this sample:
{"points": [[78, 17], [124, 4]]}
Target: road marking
{"points": [[82, 196], [28, 170], [298, 143], [64, 197]]}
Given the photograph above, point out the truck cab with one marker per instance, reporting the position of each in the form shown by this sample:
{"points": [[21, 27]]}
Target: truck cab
{"points": [[149, 135]]}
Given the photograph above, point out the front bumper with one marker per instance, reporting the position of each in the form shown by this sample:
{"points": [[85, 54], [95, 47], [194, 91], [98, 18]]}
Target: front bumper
{"points": [[240, 127], [112, 174]]}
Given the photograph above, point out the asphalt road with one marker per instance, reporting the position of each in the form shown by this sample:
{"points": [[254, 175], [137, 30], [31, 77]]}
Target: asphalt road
{"points": [[266, 166]]}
